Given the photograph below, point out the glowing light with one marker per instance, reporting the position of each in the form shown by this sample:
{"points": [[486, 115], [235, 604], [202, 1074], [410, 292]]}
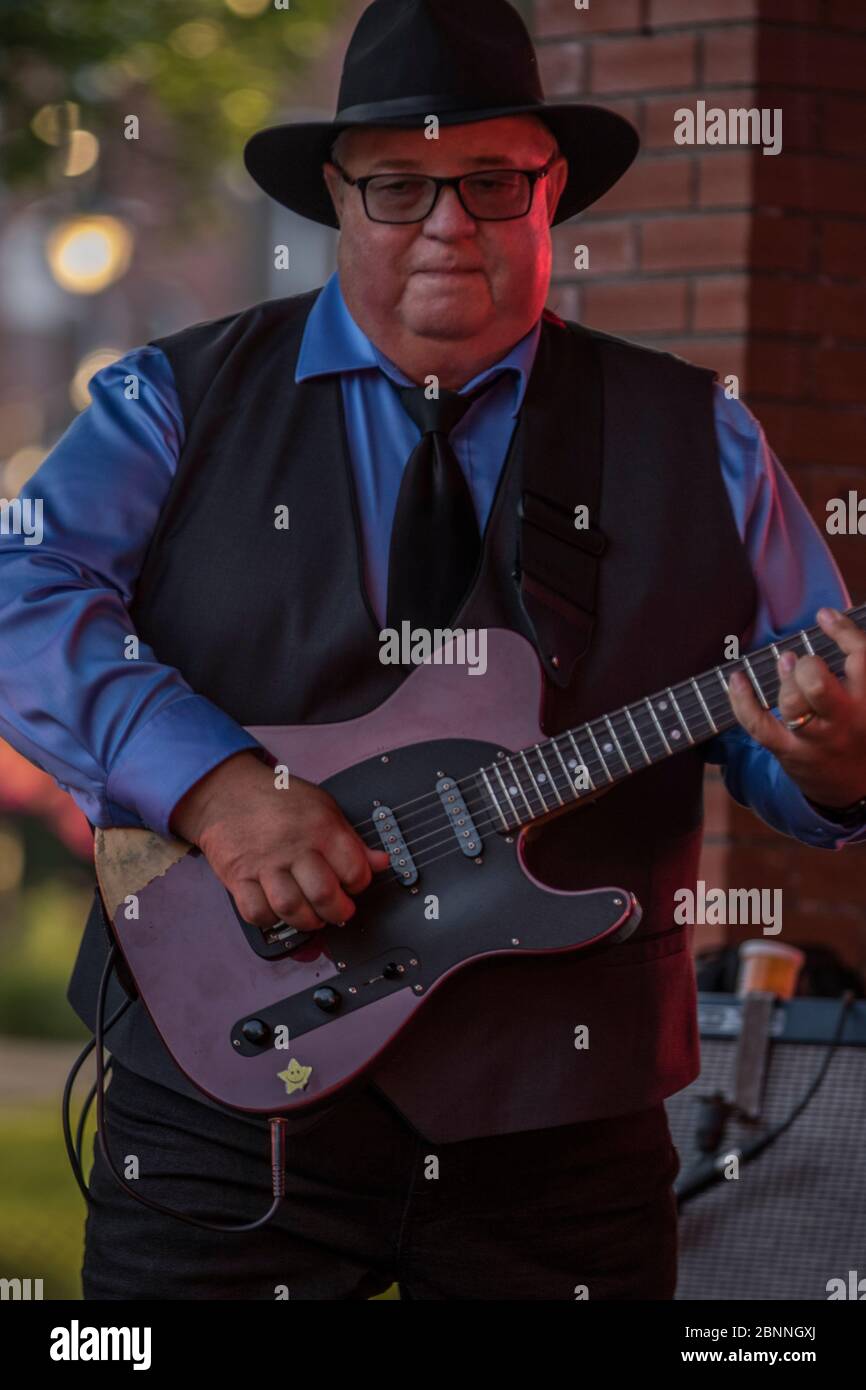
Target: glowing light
{"points": [[51, 123], [20, 467], [306, 37], [85, 254], [79, 393], [82, 153], [196, 39], [246, 107], [247, 9]]}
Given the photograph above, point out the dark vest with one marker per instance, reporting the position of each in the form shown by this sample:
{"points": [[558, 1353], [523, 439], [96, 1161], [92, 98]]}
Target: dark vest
{"points": [[278, 633]]}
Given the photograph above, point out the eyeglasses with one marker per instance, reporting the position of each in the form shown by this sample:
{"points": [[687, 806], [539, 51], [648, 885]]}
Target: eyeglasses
{"points": [[490, 195]]}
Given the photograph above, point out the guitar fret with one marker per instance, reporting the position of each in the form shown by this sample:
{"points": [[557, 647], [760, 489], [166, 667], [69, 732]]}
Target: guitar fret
{"points": [[519, 785], [533, 781], [507, 796], [710, 720], [494, 798], [755, 682], [549, 775], [569, 782], [656, 724], [688, 731], [612, 732], [648, 704], [640, 741], [581, 761], [598, 752]]}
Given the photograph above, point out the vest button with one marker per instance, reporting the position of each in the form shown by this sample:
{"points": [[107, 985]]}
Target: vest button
{"points": [[327, 998]]}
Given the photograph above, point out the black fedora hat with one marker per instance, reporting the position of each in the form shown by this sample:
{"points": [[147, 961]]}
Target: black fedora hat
{"points": [[458, 60]]}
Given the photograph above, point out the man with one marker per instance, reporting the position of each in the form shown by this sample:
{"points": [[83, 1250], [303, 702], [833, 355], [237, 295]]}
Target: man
{"points": [[553, 1165]]}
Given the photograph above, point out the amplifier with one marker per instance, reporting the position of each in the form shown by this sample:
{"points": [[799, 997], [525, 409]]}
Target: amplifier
{"points": [[792, 1225]]}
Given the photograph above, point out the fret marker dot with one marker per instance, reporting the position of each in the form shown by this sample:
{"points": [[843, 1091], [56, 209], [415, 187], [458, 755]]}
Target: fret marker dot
{"points": [[608, 747], [675, 733], [542, 776], [512, 791], [572, 762], [663, 704]]}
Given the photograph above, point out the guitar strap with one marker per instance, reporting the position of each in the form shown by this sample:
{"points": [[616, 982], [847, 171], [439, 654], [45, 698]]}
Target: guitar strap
{"points": [[560, 543]]}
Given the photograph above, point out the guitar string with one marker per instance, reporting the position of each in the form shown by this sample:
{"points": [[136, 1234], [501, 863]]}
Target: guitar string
{"points": [[594, 767], [718, 706], [496, 815], [390, 876]]}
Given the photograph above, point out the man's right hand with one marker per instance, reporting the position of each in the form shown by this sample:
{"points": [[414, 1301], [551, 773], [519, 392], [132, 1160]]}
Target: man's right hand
{"points": [[285, 854]]}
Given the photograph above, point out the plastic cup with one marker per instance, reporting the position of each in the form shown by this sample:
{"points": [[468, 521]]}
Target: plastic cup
{"points": [[769, 966]]}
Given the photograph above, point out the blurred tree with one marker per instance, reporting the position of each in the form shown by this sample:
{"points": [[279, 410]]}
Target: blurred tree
{"points": [[200, 76]]}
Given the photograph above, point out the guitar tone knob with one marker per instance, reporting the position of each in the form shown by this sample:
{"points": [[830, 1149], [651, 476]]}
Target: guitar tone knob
{"points": [[256, 1032], [327, 998]]}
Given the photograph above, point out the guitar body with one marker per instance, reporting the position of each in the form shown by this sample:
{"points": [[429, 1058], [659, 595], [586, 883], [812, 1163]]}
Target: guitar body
{"points": [[275, 1025]]}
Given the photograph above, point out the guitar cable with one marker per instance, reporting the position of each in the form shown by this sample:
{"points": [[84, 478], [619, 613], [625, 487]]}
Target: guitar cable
{"points": [[277, 1126]]}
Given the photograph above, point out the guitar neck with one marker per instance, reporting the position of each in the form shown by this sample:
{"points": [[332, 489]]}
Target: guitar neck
{"points": [[577, 764]]}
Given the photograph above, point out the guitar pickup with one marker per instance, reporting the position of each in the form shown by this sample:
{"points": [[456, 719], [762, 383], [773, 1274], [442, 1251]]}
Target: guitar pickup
{"points": [[458, 814], [392, 840]]}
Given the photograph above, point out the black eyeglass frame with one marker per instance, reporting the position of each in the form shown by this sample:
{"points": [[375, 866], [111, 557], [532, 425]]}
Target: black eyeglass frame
{"points": [[534, 175]]}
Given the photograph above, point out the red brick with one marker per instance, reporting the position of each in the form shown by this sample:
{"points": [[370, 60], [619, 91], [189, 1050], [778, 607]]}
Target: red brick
{"points": [[844, 123], [847, 14], [562, 67], [664, 12], [816, 433], [564, 300], [810, 183], [842, 374], [644, 64], [730, 56], [651, 306], [659, 121], [779, 305], [844, 882], [800, 116], [779, 367], [701, 11], [611, 248], [843, 248], [841, 310], [649, 184], [793, 11], [716, 799], [696, 243], [560, 17], [725, 179], [723, 355], [781, 243], [813, 58], [721, 302]]}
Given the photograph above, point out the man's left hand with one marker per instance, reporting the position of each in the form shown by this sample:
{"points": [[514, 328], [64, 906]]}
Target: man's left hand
{"points": [[827, 756]]}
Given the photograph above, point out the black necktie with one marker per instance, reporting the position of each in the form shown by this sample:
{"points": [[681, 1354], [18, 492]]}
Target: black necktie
{"points": [[434, 540]]}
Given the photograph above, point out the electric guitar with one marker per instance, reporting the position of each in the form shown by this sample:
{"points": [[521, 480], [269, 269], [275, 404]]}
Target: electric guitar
{"points": [[447, 775]]}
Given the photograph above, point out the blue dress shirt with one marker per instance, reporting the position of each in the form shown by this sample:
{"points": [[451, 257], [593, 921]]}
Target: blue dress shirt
{"points": [[128, 737]]}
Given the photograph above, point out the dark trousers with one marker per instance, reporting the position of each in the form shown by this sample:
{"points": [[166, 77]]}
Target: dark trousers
{"points": [[542, 1214]]}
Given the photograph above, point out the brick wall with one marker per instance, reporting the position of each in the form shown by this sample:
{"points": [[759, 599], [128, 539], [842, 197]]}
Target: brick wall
{"points": [[750, 264]]}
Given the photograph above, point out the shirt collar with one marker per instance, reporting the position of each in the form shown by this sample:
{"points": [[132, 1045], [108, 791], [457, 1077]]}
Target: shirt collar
{"points": [[333, 342]]}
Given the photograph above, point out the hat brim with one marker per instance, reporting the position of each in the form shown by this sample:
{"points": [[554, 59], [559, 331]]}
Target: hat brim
{"points": [[286, 160]]}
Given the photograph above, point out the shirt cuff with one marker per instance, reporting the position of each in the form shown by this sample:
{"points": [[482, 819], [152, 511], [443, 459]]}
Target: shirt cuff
{"points": [[178, 747], [802, 810]]}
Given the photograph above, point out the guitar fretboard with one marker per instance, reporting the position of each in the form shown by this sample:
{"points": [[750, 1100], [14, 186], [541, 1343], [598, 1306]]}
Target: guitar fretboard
{"points": [[530, 784]]}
